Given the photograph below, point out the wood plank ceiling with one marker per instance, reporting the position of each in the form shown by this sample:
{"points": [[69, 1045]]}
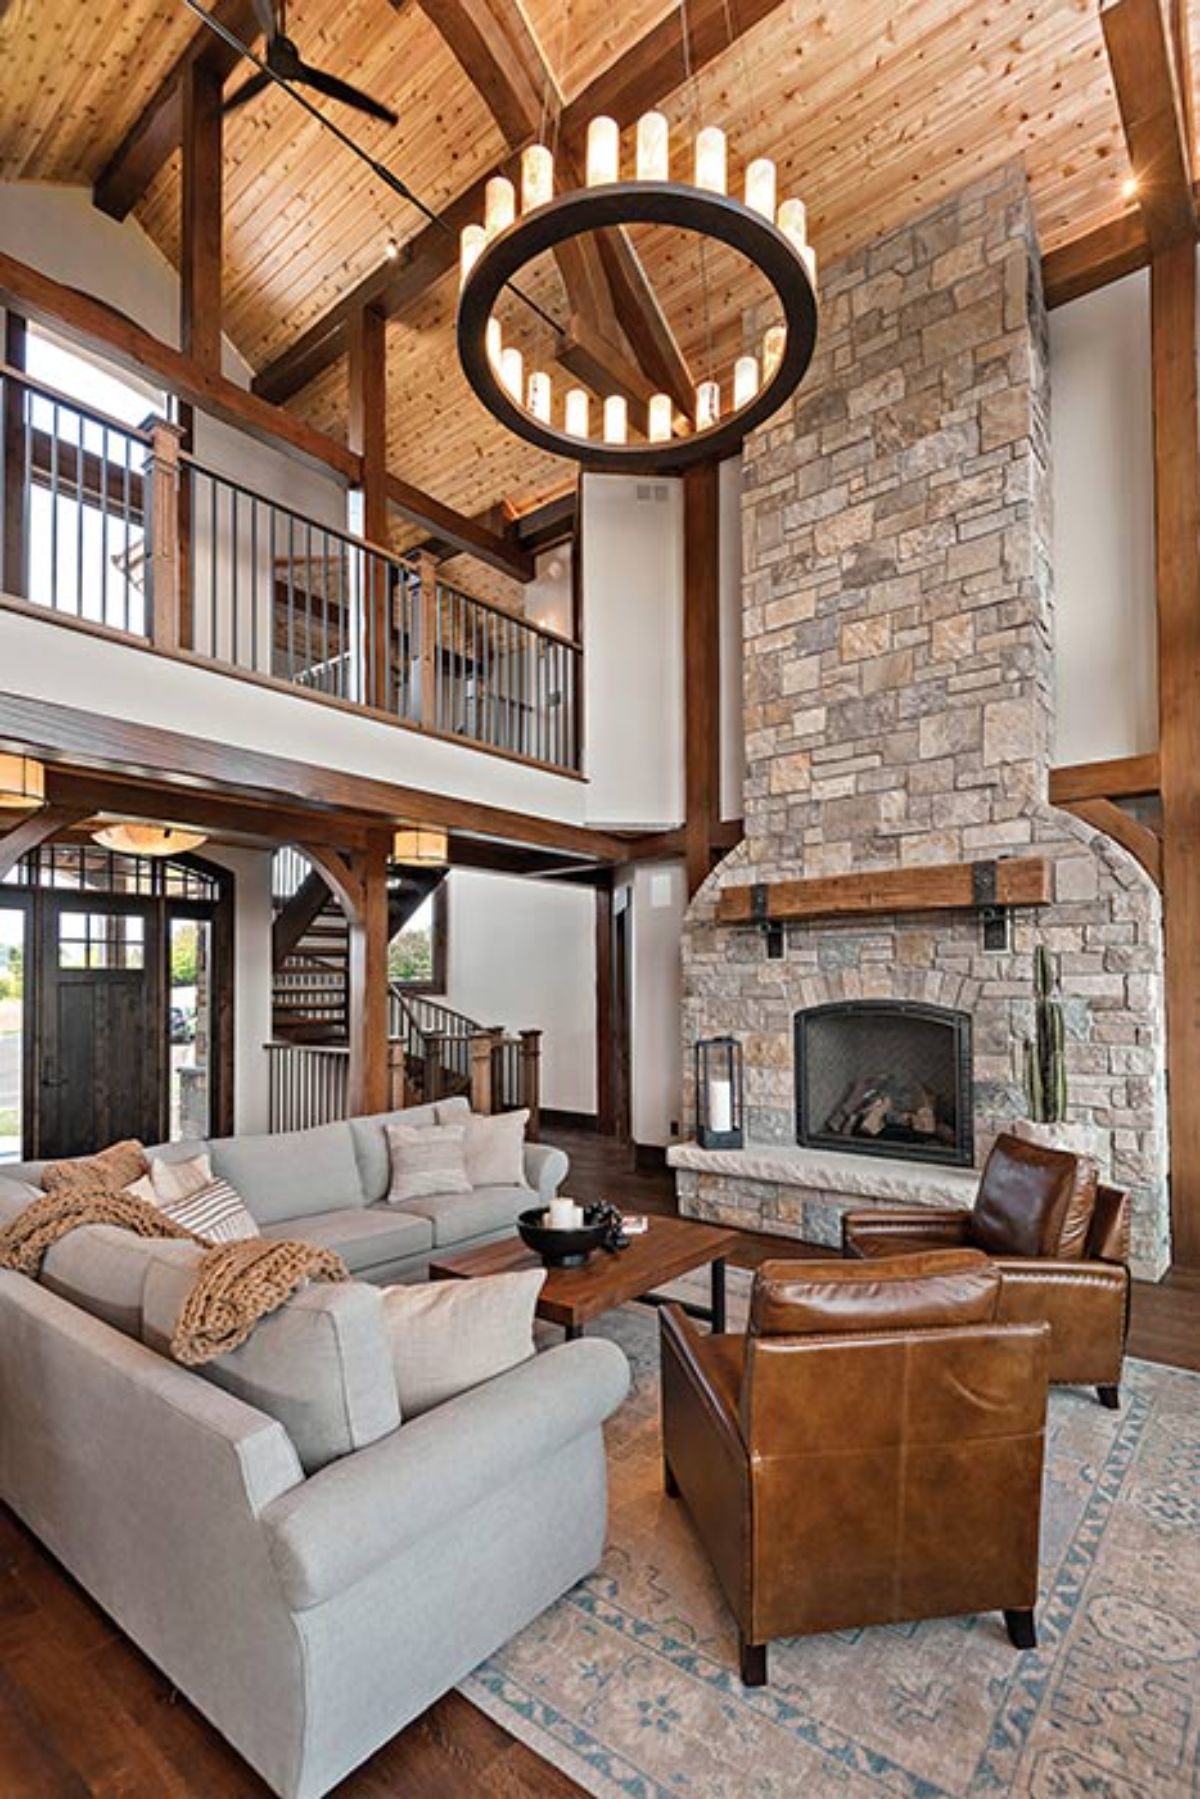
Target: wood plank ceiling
{"points": [[872, 113]]}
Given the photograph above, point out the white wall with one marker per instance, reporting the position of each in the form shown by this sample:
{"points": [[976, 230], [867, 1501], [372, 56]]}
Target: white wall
{"points": [[522, 954], [253, 918], [1106, 682], [732, 713], [633, 649], [659, 900]]}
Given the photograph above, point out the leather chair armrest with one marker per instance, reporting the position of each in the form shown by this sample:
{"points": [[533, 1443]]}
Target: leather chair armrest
{"points": [[896, 1230], [684, 1344], [1086, 1305], [1108, 1235], [707, 1465]]}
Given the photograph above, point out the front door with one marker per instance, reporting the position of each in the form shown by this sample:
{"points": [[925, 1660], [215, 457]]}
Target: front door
{"points": [[102, 1039]]}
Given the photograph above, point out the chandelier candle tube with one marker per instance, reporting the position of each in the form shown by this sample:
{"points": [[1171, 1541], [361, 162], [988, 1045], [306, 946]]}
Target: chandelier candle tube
{"points": [[540, 396], [653, 147], [537, 177], [494, 339], [616, 420], [470, 248], [710, 159], [745, 380], [661, 414], [512, 372], [576, 420], [760, 186], [708, 405], [793, 222], [808, 257], [773, 345], [499, 205], [603, 151]]}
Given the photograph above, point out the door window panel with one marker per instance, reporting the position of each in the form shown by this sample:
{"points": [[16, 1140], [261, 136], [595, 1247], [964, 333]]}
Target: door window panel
{"points": [[108, 940]]}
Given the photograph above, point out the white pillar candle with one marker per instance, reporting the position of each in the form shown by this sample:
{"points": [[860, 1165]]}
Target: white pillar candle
{"points": [[494, 342], [537, 176], [578, 408], [710, 159], [720, 1106], [745, 381], [616, 420], [539, 396], [808, 257], [661, 414], [499, 205], [708, 405], [603, 151], [773, 345], [470, 248], [653, 147], [577, 1218], [512, 372], [562, 1212], [793, 222], [760, 186]]}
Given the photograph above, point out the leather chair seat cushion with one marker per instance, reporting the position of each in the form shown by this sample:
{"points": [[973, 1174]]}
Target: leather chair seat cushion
{"points": [[1034, 1201], [364, 1238], [906, 1292], [888, 1244]]}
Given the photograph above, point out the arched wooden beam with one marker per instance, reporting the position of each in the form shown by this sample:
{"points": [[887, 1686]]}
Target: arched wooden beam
{"points": [[41, 827], [344, 875], [1143, 844]]}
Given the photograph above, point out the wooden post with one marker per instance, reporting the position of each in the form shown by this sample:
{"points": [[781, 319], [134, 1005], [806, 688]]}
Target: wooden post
{"points": [[1177, 579], [397, 1075], [200, 246], [481, 1071], [605, 1046], [360, 883], [12, 527], [701, 667], [163, 561], [531, 1078], [367, 435], [427, 569]]}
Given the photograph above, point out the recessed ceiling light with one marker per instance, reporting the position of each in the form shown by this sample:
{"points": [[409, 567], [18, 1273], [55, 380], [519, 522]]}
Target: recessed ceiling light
{"points": [[1129, 187], [393, 249]]}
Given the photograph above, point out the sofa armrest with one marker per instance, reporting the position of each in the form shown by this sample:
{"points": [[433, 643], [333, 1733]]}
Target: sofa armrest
{"points": [[899, 1230], [372, 1506], [545, 1169]]}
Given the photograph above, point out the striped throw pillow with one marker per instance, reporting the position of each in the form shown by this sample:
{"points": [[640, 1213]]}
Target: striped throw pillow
{"points": [[215, 1212]]}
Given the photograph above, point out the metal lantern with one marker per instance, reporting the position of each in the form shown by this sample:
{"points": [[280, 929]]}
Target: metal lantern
{"points": [[719, 1094]]}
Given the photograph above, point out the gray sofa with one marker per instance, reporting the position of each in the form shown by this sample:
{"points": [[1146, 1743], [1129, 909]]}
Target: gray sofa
{"points": [[309, 1569], [328, 1186]]}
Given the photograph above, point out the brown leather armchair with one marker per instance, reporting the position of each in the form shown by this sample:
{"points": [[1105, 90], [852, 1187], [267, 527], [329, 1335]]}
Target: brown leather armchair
{"points": [[1059, 1240], [869, 1452]]}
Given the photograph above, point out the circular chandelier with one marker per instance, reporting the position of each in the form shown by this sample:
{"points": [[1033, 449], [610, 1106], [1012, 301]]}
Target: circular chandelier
{"points": [[494, 253], [148, 840]]}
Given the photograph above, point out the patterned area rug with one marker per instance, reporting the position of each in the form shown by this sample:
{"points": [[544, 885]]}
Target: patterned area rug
{"points": [[629, 1685]]}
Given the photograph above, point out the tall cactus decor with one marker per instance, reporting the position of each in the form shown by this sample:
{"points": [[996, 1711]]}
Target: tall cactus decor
{"points": [[1045, 1055]]}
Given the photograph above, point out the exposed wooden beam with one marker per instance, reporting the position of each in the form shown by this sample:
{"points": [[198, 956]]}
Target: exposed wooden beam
{"points": [[461, 533], [495, 47], [1123, 777], [41, 827], [654, 345], [553, 522], [1139, 54], [367, 432], [158, 130], [607, 1049], [1143, 844], [1094, 259], [1181, 49], [1177, 581], [701, 667], [939, 887], [603, 366], [200, 242], [12, 487]]}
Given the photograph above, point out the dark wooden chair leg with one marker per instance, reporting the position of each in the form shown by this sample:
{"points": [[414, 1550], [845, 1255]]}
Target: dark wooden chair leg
{"points": [[1110, 1397], [753, 1659], [1022, 1632], [670, 1484]]}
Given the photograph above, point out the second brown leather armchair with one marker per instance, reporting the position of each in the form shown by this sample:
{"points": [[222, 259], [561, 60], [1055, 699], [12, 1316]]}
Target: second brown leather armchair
{"points": [[1058, 1240], [869, 1452]]}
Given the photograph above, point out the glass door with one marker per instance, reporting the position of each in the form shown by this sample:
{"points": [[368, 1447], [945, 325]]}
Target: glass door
{"points": [[190, 1024], [14, 964]]}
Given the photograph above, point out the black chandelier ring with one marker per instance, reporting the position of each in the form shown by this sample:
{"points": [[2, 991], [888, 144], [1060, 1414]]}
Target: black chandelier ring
{"points": [[710, 214]]}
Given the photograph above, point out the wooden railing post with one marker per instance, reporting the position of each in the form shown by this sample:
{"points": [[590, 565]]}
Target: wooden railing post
{"points": [[397, 1075], [531, 1078], [12, 520], [427, 637], [481, 1071], [162, 562]]}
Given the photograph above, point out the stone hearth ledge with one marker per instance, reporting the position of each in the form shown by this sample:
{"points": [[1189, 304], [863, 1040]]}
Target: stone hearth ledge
{"points": [[802, 1193]]}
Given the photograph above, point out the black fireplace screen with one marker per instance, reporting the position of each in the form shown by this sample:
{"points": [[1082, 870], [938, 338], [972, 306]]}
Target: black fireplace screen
{"points": [[886, 1078]]}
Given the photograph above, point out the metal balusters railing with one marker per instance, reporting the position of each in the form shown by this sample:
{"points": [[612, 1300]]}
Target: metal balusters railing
{"points": [[309, 1084], [76, 503]]}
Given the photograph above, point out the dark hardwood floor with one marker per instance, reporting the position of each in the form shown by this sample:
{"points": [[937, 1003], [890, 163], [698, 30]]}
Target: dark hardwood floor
{"points": [[82, 1713]]}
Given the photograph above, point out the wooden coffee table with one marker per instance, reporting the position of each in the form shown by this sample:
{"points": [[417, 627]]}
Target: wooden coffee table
{"points": [[573, 1296]]}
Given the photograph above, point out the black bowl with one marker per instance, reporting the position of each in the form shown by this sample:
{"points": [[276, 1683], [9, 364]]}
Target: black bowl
{"points": [[559, 1249]]}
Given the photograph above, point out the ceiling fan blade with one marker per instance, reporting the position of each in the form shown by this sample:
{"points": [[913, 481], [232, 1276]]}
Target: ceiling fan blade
{"points": [[264, 12], [336, 89], [247, 91]]}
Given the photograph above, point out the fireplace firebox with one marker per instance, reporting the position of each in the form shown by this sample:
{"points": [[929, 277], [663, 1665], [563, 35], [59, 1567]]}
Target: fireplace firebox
{"points": [[886, 1078]]}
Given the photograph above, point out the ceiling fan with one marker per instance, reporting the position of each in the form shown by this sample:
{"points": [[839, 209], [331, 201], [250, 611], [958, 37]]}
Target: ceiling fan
{"points": [[284, 60]]}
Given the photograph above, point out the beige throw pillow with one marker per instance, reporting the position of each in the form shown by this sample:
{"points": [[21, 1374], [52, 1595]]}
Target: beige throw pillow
{"points": [[426, 1161], [494, 1152], [449, 1336], [191, 1195], [179, 1180]]}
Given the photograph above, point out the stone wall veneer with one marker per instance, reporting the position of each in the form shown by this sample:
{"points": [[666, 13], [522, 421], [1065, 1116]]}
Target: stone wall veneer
{"points": [[898, 604]]}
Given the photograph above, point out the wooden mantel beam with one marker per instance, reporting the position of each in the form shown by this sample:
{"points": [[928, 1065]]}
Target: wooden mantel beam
{"points": [[158, 129], [948, 886]]}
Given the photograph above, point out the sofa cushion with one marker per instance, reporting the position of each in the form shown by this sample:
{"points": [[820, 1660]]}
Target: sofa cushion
{"points": [[449, 1336], [371, 1145], [102, 1270], [320, 1363], [482, 1212], [292, 1174], [14, 1197], [1033, 1201], [364, 1238], [426, 1160], [494, 1149], [942, 1287]]}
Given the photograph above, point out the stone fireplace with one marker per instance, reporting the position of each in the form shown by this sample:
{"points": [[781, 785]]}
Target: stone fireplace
{"points": [[898, 693]]}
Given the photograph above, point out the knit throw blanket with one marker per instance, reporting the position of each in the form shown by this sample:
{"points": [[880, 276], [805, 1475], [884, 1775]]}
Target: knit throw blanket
{"points": [[38, 1228], [236, 1285]]}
